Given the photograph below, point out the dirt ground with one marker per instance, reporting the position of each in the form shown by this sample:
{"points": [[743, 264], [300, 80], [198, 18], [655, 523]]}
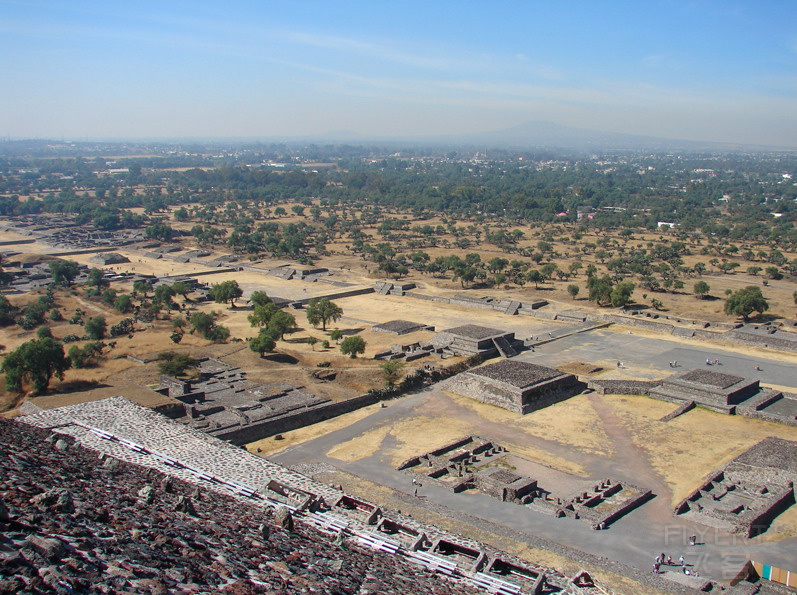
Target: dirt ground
{"points": [[688, 448]]}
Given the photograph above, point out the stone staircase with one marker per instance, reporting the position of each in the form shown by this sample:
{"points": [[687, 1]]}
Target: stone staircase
{"points": [[512, 308], [504, 348]]}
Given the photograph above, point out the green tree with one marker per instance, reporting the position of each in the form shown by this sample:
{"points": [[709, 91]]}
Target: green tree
{"points": [[35, 361], [164, 294], [96, 327], [322, 311], [123, 327], [64, 272], [205, 324], [281, 323], [108, 296], [182, 288], [351, 346], [226, 292], [600, 289], [311, 341], [142, 286], [391, 371], [263, 342], [262, 314], [536, 277], [97, 278], [123, 303], [621, 294], [202, 322], [573, 290], [774, 273], [701, 289], [744, 302], [336, 335], [7, 311], [260, 298], [87, 356], [176, 364]]}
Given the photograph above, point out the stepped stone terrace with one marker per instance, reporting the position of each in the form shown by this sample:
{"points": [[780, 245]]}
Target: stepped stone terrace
{"points": [[472, 339], [749, 492], [730, 394], [517, 386], [710, 389]]}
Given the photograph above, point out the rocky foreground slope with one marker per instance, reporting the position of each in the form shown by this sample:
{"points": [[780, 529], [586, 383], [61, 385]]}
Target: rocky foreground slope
{"points": [[73, 523]]}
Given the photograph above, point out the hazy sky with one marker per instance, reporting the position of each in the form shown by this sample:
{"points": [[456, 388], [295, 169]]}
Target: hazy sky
{"points": [[703, 70]]}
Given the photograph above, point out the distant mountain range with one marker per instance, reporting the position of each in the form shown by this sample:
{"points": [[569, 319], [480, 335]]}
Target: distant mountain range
{"points": [[538, 133]]}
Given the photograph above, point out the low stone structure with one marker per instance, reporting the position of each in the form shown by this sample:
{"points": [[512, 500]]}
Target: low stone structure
{"points": [[472, 339], [401, 327], [749, 492], [622, 386], [302, 273], [222, 402], [517, 386], [729, 394], [475, 463], [392, 288], [108, 258]]}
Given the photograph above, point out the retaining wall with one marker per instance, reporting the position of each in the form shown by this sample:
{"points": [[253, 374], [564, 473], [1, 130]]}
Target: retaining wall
{"points": [[83, 251], [623, 387], [293, 420]]}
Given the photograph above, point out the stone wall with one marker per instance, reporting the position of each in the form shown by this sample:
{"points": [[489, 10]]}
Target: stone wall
{"points": [[622, 387], [295, 419], [729, 335]]}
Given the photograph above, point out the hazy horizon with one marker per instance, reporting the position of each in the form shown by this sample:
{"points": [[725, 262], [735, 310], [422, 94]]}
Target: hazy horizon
{"points": [[704, 71]]}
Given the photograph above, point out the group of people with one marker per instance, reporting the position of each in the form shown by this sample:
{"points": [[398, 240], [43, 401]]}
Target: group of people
{"points": [[668, 561], [715, 362]]}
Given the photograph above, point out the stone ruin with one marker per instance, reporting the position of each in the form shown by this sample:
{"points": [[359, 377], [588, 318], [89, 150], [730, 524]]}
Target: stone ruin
{"points": [[401, 327], [108, 258], [475, 463], [392, 288], [121, 430], [471, 339], [303, 274], [222, 402], [728, 394], [749, 492], [713, 390], [517, 386]]}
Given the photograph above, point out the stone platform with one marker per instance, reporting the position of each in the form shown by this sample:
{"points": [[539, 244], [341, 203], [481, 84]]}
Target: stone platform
{"points": [[517, 386]]}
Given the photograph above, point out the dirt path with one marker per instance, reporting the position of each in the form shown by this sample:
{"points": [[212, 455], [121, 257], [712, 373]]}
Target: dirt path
{"points": [[631, 463]]}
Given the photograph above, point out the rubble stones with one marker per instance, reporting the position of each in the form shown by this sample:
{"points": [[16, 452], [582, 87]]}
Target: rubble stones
{"points": [[283, 518], [184, 504], [56, 499], [113, 544], [146, 494]]}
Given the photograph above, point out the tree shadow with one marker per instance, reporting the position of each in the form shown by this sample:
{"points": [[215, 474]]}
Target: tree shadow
{"points": [[281, 358], [76, 386], [353, 331]]}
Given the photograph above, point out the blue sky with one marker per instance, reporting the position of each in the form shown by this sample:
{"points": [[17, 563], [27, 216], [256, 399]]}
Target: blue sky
{"points": [[701, 70]]}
